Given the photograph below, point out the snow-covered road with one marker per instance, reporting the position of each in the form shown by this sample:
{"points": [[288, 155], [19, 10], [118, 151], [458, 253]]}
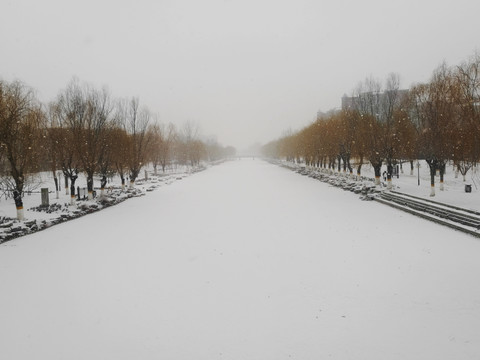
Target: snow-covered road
{"points": [[243, 261]]}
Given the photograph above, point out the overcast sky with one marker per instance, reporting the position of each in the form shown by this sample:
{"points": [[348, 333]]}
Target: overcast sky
{"points": [[244, 70]]}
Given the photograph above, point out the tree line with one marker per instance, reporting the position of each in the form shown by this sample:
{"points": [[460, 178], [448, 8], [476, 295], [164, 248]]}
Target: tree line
{"points": [[84, 129], [437, 121]]}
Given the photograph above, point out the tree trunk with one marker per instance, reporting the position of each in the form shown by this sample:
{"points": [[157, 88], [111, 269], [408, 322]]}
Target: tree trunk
{"points": [[133, 177], [103, 183], [66, 184], [123, 181], [90, 185], [17, 196], [377, 168], [433, 169], [349, 166], [20, 214], [359, 168], [72, 189], [442, 166], [389, 175], [56, 184]]}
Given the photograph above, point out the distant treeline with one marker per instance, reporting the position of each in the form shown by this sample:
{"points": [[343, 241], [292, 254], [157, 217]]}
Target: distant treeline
{"points": [[438, 121]]}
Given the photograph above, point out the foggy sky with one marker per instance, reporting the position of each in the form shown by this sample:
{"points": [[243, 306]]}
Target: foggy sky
{"points": [[244, 70]]}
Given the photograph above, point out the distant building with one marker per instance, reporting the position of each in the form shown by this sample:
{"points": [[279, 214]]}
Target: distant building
{"points": [[349, 102]]}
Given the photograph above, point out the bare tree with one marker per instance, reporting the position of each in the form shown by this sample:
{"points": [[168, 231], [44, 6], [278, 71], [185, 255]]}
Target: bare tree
{"points": [[21, 116], [92, 147], [72, 113], [191, 145], [170, 136], [120, 152], [433, 111], [467, 97], [156, 133], [135, 121], [369, 106], [388, 108], [405, 137], [347, 127], [52, 134], [163, 139], [106, 161]]}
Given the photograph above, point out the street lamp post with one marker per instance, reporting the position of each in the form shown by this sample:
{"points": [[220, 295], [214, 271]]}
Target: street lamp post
{"points": [[418, 172]]}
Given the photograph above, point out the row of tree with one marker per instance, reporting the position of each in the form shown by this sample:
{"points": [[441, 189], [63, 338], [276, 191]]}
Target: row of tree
{"points": [[437, 121], [86, 130]]}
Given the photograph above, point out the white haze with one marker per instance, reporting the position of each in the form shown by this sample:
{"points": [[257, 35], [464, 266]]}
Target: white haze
{"points": [[244, 70]]}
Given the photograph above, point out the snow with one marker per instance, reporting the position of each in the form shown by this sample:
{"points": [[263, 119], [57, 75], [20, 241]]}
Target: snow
{"points": [[245, 260], [60, 207]]}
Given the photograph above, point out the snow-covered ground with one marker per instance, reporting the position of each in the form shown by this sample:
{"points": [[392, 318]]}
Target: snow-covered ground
{"points": [[245, 260], [39, 216], [418, 184]]}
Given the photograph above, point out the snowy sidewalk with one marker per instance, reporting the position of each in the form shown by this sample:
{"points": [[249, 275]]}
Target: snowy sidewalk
{"points": [[245, 260]]}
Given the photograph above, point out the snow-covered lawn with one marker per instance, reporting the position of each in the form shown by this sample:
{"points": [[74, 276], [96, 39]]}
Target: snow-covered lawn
{"points": [[418, 183], [39, 216], [245, 260]]}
